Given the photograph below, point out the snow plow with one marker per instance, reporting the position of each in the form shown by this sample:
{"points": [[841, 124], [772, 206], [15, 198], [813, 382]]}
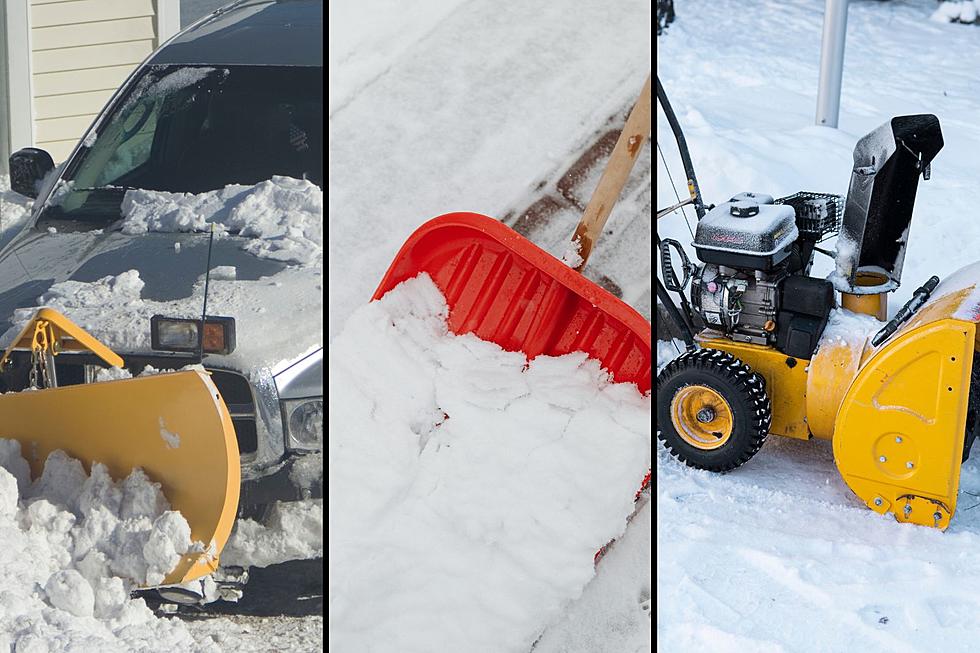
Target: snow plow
{"points": [[175, 426], [771, 350]]}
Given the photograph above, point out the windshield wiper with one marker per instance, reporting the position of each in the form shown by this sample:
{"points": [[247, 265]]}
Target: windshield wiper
{"points": [[106, 187]]}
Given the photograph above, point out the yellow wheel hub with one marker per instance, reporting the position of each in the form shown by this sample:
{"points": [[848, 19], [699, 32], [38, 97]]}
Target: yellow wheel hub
{"points": [[701, 416]]}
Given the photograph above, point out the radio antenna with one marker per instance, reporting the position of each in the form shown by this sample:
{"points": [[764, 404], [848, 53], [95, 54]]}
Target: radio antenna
{"points": [[204, 313]]}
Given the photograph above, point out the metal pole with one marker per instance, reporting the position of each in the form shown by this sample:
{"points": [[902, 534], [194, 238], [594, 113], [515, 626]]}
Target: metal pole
{"points": [[831, 62]]}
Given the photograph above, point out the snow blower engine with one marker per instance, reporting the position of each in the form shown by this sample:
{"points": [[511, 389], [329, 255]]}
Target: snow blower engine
{"points": [[766, 351], [757, 253]]}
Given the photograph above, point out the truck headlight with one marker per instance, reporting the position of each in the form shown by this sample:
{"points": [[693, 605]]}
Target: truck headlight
{"points": [[303, 420], [182, 334]]}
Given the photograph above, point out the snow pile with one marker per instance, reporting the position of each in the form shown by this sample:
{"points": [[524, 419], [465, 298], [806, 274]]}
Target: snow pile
{"points": [[126, 528], [956, 11], [282, 216], [967, 277], [72, 546], [469, 488], [293, 531], [15, 210], [848, 329], [282, 219]]}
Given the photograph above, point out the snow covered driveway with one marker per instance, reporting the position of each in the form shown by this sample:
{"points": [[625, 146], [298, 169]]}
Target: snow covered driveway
{"points": [[779, 555], [469, 106], [453, 105]]}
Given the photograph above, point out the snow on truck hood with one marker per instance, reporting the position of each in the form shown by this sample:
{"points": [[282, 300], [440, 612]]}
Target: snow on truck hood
{"points": [[266, 270], [282, 216]]}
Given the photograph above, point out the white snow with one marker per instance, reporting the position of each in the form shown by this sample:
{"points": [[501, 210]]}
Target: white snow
{"points": [[795, 561], [282, 219], [967, 277], [613, 613], [472, 485], [849, 329], [72, 546], [15, 210], [469, 105], [283, 216], [963, 11], [307, 470], [293, 531], [260, 634], [114, 311], [668, 350], [171, 439], [573, 256]]}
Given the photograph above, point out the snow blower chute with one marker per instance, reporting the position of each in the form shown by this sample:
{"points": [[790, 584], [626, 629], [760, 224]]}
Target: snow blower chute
{"points": [[900, 404], [505, 289], [174, 426]]}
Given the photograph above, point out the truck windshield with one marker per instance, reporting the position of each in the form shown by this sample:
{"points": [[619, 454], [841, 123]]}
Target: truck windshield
{"points": [[192, 129]]}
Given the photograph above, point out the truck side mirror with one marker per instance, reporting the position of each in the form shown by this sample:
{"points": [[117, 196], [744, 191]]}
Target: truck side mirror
{"points": [[28, 166]]}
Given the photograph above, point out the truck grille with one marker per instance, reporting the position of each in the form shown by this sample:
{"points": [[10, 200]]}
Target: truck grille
{"points": [[237, 393]]}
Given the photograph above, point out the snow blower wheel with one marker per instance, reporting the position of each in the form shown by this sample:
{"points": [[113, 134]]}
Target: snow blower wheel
{"points": [[713, 412]]}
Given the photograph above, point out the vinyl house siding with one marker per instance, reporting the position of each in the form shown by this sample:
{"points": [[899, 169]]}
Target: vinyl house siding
{"points": [[80, 52]]}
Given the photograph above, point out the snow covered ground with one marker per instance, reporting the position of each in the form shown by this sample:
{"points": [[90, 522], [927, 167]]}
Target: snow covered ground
{"points": [[445, 106], [796, 562]]}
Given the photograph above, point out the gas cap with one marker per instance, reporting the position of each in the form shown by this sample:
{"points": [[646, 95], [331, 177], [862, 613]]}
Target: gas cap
{"points": [[744, 209]]}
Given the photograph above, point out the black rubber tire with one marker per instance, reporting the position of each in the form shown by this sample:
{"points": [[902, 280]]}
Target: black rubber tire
{"points": [[743, 390]]}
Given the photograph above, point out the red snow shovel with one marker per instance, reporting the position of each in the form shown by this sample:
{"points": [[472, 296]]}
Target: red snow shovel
{"points": [[505, 289]]}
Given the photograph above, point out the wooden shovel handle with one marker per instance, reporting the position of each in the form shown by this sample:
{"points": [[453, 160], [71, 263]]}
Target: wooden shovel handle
{"points": [[631, 141]]}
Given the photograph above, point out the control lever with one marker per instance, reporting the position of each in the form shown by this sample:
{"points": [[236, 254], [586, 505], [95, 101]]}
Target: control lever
{"points": [[670, 277], [919, 298]]}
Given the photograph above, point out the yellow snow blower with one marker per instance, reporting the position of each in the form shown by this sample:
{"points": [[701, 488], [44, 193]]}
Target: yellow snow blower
{"points": [[899, 400], [174, 426]]}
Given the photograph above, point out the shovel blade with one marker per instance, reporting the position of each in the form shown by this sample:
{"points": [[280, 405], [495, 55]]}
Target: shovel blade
{"points": [[505, 289]]}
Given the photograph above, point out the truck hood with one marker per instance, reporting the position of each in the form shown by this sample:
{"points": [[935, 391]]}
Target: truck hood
{"points": [[111, 283]]}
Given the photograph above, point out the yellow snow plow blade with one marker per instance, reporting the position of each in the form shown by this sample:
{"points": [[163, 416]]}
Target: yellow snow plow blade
{"points": [[174, 426], [899, 434]]}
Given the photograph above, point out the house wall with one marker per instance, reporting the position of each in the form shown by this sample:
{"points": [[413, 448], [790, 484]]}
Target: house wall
{"points": [[16, 122], [81, 51], [61, 60], [4, 123]]}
